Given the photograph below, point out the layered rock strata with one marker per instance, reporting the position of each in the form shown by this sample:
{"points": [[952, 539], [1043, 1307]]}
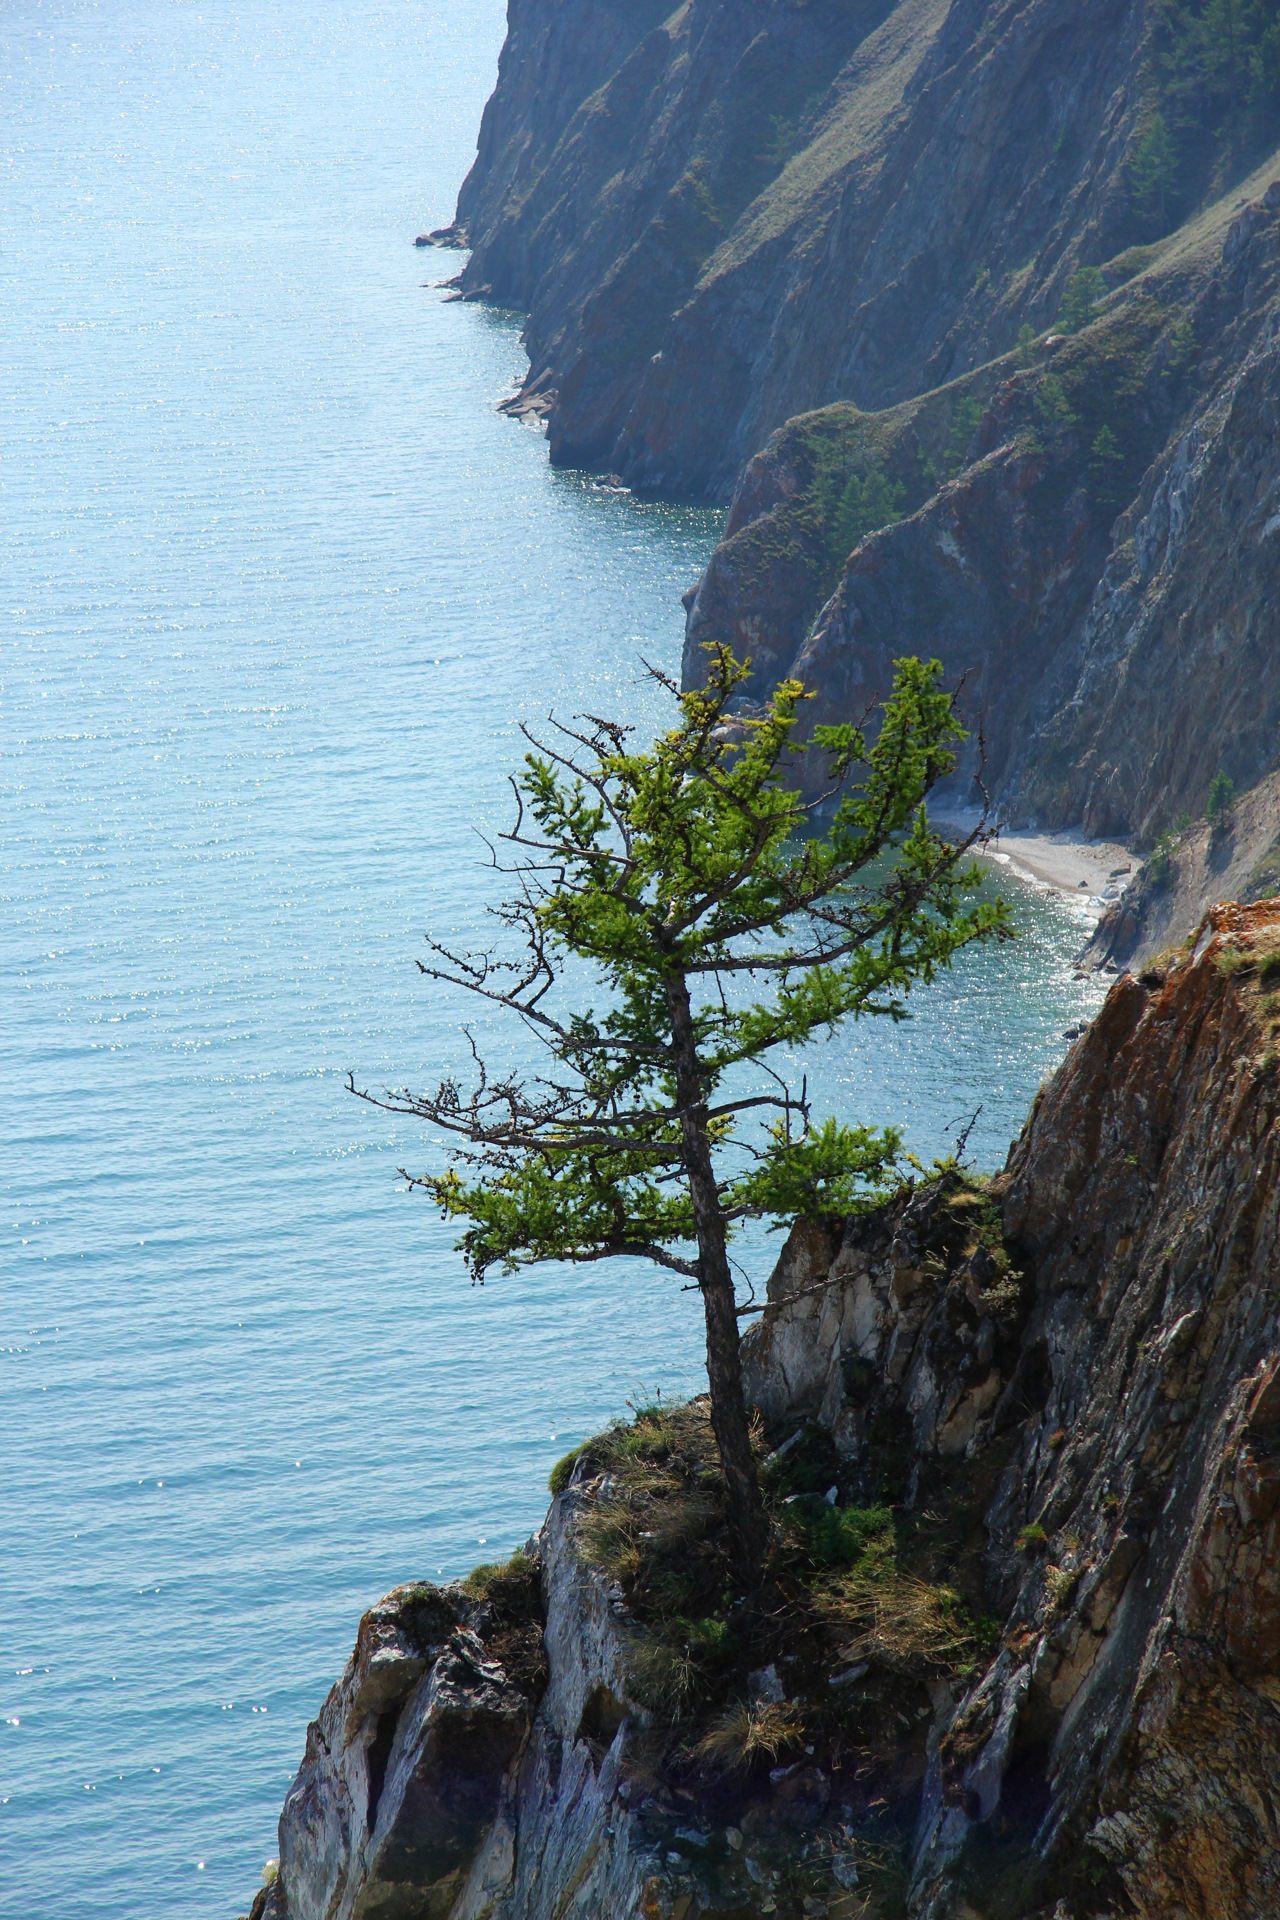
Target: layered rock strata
{"points": [[1102, 573], [1076, 1370], [719, 216]]}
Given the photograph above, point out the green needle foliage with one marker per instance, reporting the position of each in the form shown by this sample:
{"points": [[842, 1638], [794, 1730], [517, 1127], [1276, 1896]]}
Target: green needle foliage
{"points": [[720, 923], [1085, 289], [964, 423], [1221, 801]]}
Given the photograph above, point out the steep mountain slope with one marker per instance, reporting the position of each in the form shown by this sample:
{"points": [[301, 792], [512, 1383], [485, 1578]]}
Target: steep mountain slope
{"points": [[721, 218], [1021, 1662], [1102, 569], [959, 281]]}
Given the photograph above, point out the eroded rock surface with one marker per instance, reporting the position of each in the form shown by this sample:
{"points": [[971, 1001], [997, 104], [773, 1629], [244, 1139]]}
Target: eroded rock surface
{"points": [[718, 216], [763, 244], [1128, 1725], [1109, 616], [1072, 1376]]}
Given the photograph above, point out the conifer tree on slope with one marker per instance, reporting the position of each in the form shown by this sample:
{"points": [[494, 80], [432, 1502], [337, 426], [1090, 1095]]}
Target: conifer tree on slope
{"points": [[721, 921]]}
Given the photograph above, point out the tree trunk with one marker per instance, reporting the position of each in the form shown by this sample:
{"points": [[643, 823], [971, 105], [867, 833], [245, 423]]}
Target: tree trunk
{"points": [[747, 1526]]}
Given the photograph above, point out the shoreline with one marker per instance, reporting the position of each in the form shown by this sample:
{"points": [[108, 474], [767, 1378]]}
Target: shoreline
{"points": [[1092, 873]]}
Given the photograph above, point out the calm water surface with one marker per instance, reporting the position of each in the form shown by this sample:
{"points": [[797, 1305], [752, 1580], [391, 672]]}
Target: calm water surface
{"points": [[278, 586]]}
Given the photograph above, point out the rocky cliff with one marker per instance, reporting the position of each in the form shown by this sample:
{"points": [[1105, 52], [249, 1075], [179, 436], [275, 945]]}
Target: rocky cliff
{"points": [[1018, 1653], [1101, 568], [974, 306], [719, 216]]}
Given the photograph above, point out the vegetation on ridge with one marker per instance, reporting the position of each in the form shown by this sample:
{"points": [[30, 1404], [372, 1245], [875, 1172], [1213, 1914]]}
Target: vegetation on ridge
{"points": [[1213, 103], [805, 1707]]}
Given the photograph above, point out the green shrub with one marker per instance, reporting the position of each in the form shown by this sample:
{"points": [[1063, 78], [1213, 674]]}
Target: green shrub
{"points": [[840, 1536], [1053, 409], [1105, 462], [776, 147], [1160, 859], [965, 419], [1221, 801], [713, 1640], [868, 501], [1032, 1539], [483, 1581], [1152, 174], [1214, 102], [1085, 289]]}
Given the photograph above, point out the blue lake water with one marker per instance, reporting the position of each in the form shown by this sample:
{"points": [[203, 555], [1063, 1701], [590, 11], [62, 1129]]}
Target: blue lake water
{"points": [[278, 587]]}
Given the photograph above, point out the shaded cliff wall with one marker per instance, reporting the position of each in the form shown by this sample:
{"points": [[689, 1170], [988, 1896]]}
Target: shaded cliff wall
{"points": [[1130, 1713], [1073, 1376], [827, 221], [721, 218], [1104, 568]]}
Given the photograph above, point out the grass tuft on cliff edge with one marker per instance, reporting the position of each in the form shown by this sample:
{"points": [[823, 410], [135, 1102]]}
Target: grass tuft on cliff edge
{"points": [[813, 1698]]}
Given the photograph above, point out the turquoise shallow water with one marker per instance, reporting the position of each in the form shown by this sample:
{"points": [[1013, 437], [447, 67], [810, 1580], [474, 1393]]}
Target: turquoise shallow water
{"points": [[278, 587]]}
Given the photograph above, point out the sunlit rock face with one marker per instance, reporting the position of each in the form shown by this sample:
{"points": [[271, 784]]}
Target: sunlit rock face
{"points": [[1071, 1372]]}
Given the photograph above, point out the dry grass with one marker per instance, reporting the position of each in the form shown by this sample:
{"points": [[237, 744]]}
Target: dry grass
{"points": [[655, 1525], [900, 1621], [743, 1734], [1059, 1585], [1258, 955], [647, 1520], [665, 1677]]}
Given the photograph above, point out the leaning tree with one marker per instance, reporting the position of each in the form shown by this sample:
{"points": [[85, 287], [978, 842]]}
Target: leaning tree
{"points": [[679, 913]]}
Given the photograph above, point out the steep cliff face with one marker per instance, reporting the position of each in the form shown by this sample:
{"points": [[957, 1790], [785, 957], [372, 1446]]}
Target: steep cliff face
{"points": [[1129, 1714], [1189, 870], [848, 227], [1021, 1658], [1137, 1671], [1104, 569], [721, 216]]}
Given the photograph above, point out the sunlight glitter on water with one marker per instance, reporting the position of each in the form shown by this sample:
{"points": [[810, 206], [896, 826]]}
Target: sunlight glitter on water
{"points": [[279, 587]]}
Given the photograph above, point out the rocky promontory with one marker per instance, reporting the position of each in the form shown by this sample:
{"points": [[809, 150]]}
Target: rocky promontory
{"points": [[1017, 1654], [971, 311], [719, 216], [1101, 569]]}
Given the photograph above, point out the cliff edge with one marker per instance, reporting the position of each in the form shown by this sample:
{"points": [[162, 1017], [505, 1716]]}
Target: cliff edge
{"points": [[1019, 1651], [719, 216], [972, 311]]}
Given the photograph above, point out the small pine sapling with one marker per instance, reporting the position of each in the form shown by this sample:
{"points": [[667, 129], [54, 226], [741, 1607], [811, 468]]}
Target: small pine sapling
{"points": [[1221, 801]]}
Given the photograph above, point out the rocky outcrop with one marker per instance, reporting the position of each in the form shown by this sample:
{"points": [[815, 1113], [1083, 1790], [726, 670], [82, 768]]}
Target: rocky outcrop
{"points": [[821, 248], [1136, 1672], [719, 216], [406, 1768], [1191, 867], [1128, 1723], [1101, 575], [1061, 1391]]}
